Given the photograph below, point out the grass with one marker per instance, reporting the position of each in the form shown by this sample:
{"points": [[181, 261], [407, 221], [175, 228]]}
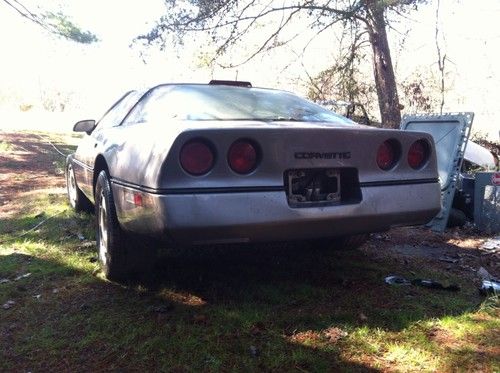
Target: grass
{"points": [[265, 308], [5, 147]]}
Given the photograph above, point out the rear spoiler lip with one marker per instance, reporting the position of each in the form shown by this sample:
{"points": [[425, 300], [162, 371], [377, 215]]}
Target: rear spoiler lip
{"points": [[234, 83]]}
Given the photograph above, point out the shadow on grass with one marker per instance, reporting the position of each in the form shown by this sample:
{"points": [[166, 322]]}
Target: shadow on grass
{"points": [[67, 319], [324, 286], [247, 307]]}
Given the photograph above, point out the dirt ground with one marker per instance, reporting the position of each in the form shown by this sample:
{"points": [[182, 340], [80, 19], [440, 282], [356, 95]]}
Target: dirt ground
{"points": [[23, 169], [24, 160], [457, 250]]}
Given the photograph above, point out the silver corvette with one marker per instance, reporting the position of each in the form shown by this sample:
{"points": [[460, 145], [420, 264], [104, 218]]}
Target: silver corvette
{"points": [[227, 163]]}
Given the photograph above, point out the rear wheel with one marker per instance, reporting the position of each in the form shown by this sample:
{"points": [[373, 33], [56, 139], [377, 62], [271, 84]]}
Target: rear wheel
{"points": [[109, 237], [77, 199], [119, 254]]}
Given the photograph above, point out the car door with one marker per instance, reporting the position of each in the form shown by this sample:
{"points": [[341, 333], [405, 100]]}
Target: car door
{"points": [[102, 137]]}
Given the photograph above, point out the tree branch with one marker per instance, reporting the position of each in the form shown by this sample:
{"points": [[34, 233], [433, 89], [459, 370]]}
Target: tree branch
{"points": [[54, 23], [265, 44], [441, 59], [26, 13]]}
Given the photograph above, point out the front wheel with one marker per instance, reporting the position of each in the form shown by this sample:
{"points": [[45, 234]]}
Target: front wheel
{"points": [[77, 199]]}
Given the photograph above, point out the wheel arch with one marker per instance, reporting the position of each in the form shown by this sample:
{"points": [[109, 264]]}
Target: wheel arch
{"points": [[69, 158], [100, 164]]}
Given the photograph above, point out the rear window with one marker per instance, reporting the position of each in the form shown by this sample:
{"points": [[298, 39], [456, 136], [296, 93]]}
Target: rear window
{"points": [[209, 102]]}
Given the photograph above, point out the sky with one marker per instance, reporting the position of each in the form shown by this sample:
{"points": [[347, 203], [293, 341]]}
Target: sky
{"points": [[34, 64]]}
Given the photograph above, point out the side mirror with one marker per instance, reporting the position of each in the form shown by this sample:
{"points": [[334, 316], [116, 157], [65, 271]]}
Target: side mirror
{"points": [[84, 126]]}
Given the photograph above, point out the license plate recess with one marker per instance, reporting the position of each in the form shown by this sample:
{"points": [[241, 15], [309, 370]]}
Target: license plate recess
{"points": [[312, 187]]}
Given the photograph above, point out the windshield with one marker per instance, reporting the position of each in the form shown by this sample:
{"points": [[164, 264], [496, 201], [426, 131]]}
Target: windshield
{"points": [[217, 102]]}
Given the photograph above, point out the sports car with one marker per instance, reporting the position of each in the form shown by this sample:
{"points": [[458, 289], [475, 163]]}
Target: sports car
{"points": [[225, 162]]}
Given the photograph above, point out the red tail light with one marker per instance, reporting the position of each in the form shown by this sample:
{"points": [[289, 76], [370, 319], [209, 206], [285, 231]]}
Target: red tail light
{"points": [[388, 154], [419, 153], [242, 157], [197, 157]]}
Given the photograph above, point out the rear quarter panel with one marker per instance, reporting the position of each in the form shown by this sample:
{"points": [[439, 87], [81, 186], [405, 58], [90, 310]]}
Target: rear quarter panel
{"points": [[135, 153]]}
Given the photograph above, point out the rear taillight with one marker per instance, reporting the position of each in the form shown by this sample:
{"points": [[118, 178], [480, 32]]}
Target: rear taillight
{"points": [[197, 157], [419, 153], [243, 156], [388, 154]]}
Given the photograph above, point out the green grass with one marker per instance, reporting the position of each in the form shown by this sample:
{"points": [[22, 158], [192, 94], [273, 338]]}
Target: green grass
{"points": [[5, 147], [264, 308]]}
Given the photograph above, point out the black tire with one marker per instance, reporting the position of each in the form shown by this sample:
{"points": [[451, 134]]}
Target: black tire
{"points": [[120, 254], [345, 242], [76, 198]]}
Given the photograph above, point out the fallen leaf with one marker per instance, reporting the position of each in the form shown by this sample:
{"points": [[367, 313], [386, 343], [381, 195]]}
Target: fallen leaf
{"points": [[334, 334]]}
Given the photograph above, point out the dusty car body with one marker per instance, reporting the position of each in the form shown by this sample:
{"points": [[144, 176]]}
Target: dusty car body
{"points": [[219, 163]]}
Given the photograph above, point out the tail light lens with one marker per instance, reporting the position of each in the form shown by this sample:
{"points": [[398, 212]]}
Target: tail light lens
{"points": [[388, 154], [197, 157], [243, 156], [419, 153]]}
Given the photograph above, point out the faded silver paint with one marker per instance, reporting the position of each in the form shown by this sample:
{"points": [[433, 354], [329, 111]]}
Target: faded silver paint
{"points": [[266, 216], [223, 206]]}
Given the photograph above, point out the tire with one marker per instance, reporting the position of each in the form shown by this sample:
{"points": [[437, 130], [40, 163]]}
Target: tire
{"points": [[345, 243], [77, 199], [120, 254]]}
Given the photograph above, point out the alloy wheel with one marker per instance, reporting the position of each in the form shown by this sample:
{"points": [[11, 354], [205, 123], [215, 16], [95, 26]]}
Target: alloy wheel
{"points": [[72, 191], [103, 230]]}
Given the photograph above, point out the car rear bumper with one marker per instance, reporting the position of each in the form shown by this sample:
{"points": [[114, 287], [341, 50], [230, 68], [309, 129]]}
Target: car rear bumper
{"points": [[266, 216]]}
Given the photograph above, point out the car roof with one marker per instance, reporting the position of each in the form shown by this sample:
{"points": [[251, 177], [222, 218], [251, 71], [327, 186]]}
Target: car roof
{"points": [[223, 83]]}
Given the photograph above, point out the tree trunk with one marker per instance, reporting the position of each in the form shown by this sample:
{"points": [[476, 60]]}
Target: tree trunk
{"points": [[385, 81]]}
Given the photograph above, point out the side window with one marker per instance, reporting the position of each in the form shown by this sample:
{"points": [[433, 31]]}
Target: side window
{"points": [[150, 108], [117, 112]]}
